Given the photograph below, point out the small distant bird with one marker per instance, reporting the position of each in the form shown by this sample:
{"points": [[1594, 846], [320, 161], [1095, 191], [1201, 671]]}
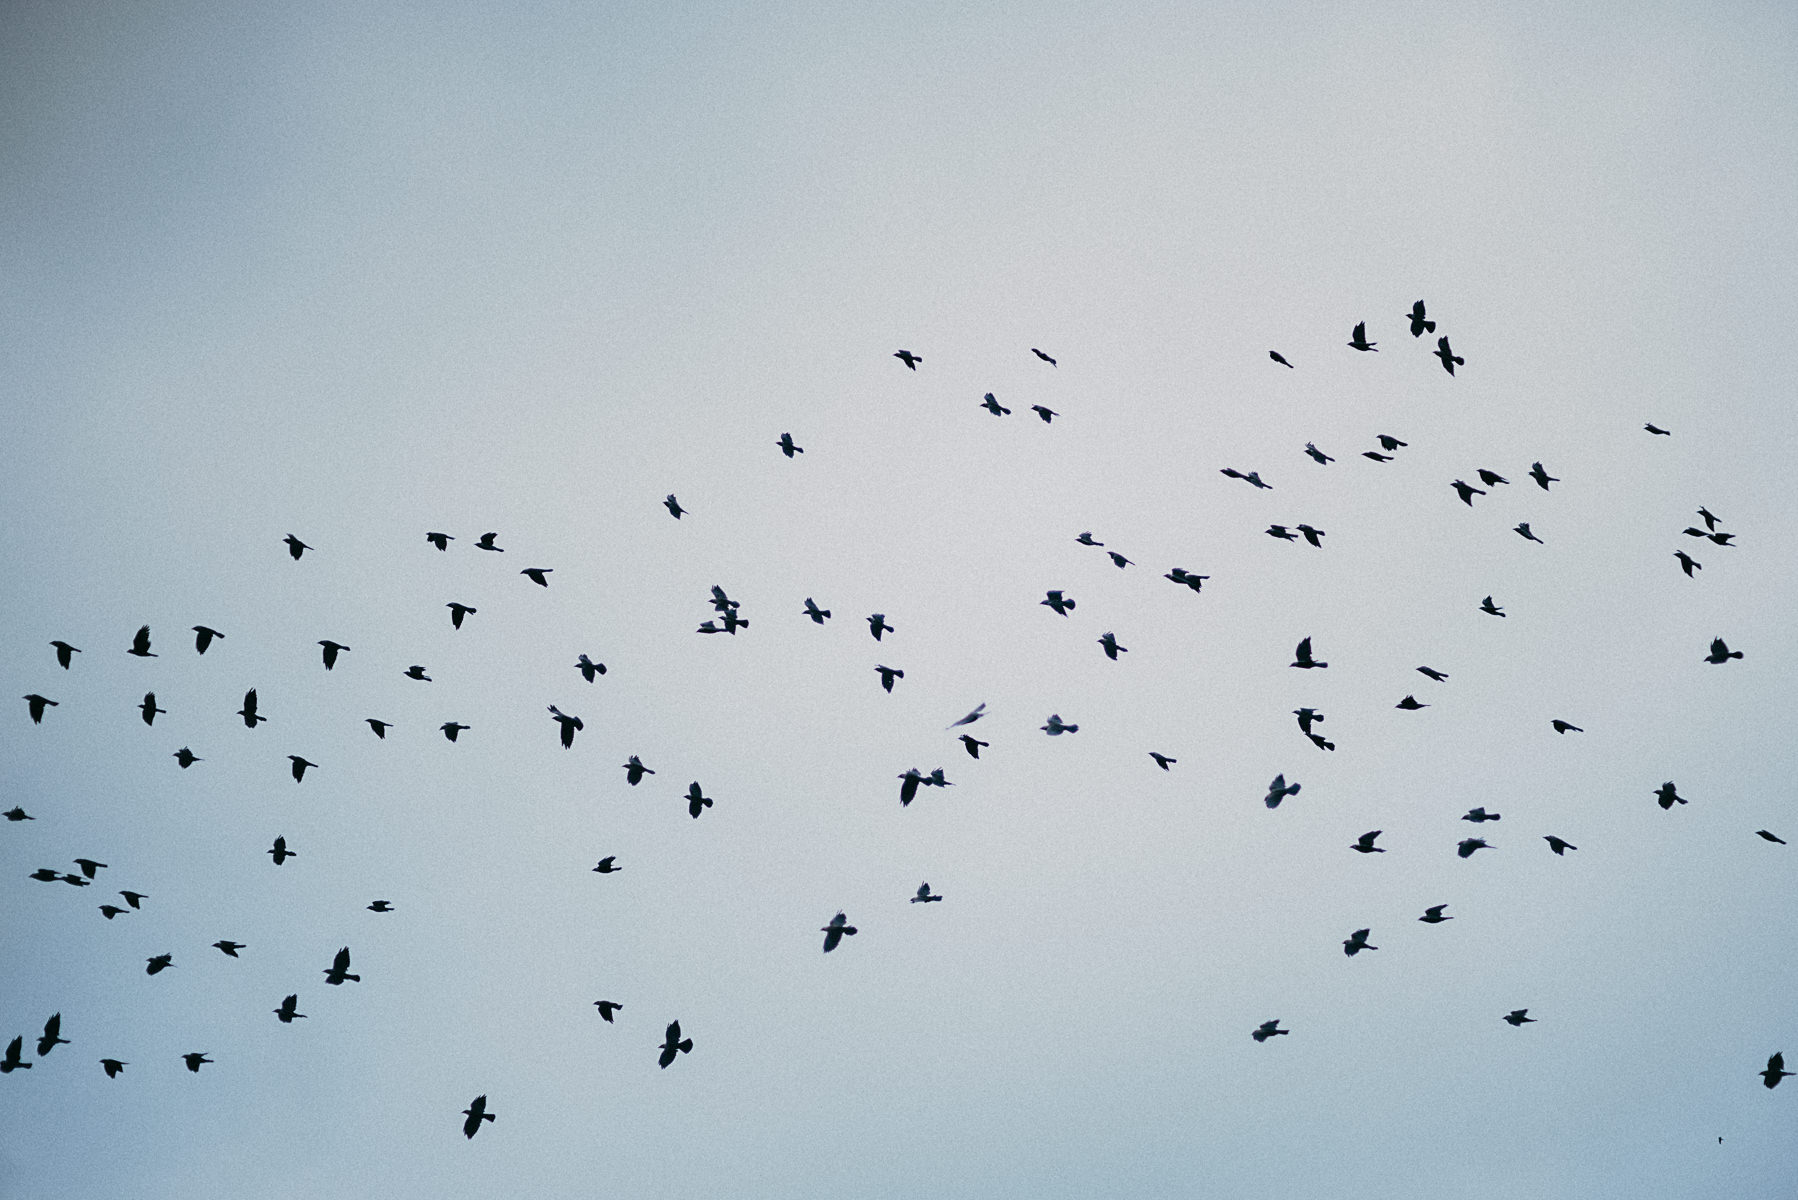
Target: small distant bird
{"points": [[186, 758], [279, 851], [1419, 326], [993, 406], [1086, 539], [17, 814], [1281, 532], [450, 730], [569, 726], [289, 1011], [1318, 455], [673, 1043], [1047, 414], [673, 506], [634, 771], [1710, 518], [1269, 1029], [1722, 539], [112, 1067], [887, 675], [14, 1060], [608, 865], [1410, 703], [1721, 653], [1668, 795], [1450, 360], [908, 358], [538, 575], [1467, 492], [1162, 760], [1111, 647], [1468, 845], [1365, 843], [1776, 1070], [1561, 726], [73, 880], [1518, 1017], [1118, 560], [1253, 477], [1055, 727], [877, 625], [380, 727], [1182, 575], [787, 447], [248, 711], [416, 672], [1376, 456], [1657, 429], [457, 612], [486, 542], [1477, 815], [1057, 602], [196, 1058], [925, 896], [140, 643], [1438, 676], [1389, 443], [1523, 530], [1307, 716], [295, 546], [589, 669], [972, 744], [1314, 536], [46, 875], [1278, 790], [332, 650], [381, 906], [37, 704], [606, 1009], [836, 931], [1687, 563], [1357, 942], [1771, 837], [1486, 606], [203, 637], [65, 653], [908, 786], [1278, 357], [1542, 478], [1042, 356], [109, 911], [1433, 915], [1302, 657], [440, 540], [697, 801], [159, 963], [149, 710], [339, 970], [52, 1035], [229, 947], [1492, 478], [818, 615], [476, 1112], [300, 765], [1358, 341], [1559, 845], [134, 899]]}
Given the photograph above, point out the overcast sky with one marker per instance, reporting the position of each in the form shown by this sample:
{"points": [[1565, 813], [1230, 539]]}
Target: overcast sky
{"points": [[354, 272]]}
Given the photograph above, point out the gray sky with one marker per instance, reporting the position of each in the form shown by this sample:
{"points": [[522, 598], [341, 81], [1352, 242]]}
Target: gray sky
{"points": [[362, 271]]}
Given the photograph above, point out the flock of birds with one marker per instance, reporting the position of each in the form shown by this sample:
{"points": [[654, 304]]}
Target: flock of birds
{"points": [[727, 618]]}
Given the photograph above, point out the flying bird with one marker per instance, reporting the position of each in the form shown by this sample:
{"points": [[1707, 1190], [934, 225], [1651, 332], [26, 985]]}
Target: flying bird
{"points": [[52, 1035], [673, 1043], [538, 575], [1279, 358], [673, 506], [65, 654], [1162, 760], [1420, 326], [289, 1011], [339, 970], [1433, 673], [1467, 492], [1281, 532], [1111, 647], [17, 814], [450, 730], [1667, 795], [1410, 704], [1365, 843], [1710, 518], [1042, 356], [1118, 560], [486, 542], [1433, 915], [1518, 1017], [634, 771], [993, 406], [229, 947], [1047, 414], [476, 1112], [818, 615], [457, 612], [1302, 657], [1318, 455], [1478, 815], [787, 447], [697, 801], [380, 727], [972, 744], [569, 726], [1776, 1070], [248, 711], [279, 851], [1314, 536], [89, 867], [1721, 653], [416, 672], [1486, 606], [1357, 942], [1450, 360], [1542, 478], [1657, 429], [1561, 726], [1771, 837], [134, 899], [589, 669], [1182, 575], [196, 1058], [1687, 563], [1055, 727], [887, 675], [109, 911], [300, 765], [606, 1009], [1058, 603], [295, 546], [186, 758], [608, 865], [331, 651], [908, 358], [1253, 477], [836, 931], [37, 704], [381, 906], [1468, 845], [149, 710], [877, 625], [1269, 1029], [203, 637], [1086, 539], [1278, 790], [440, 540], [112, 1067], [1359, 339], [1389, 443], [1307, 716], [1376, 456], [1559, 845], [159, 963], [908, 785], [925, 896], [140, 644], [1523, 530]]}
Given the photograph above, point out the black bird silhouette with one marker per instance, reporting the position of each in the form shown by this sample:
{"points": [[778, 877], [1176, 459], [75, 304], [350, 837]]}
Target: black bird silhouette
{"points": [[73, 880], [1183, 576], [1486, 606], [140, 644], [134, 899], [924, 895], [486, 542], [1365, 843], [1281, 532], [1721, 653], [203, 637], [1659, 430], [52, 1035], [457, 612], [1559, 845], [380, 727], [1468, 845], [1389, 443], [1086, 539], [440, 540], [339, 970], [787, 447], [1042, 356], [1278, 357], [836, 931], [1376, 456], [1059, 603], [248, 711], [978, 712], [1710, 518], [295, 546], [289, 1011], [720, 601], [1047, 414], [1111, 647], [1542, 478], [149, 710], [1253, 477], [1467, 492], [476, 1112], [1306, 717], [673, 1043], [159, 963], [331, 651], [606, 1009], [877, 625], [993, 406], [589, 669], [1771, 837], [1357, 942], [1518, 1017], [194, 1059], [300, 765], [1359, 339], [1477, 815], [46, 875], [569, 726], [381, 906], [1433, 673], [1433, 915], [1055, 727], [1523, 530], [37, 704], [634, 771], [1561, 726], [697, 801], [818, 615], [1269, 1029], [908, 358], [1118, 560], [1318, 455], [972, 744], [229, 947], [1162, 760], [452, 728], [416, 672], [908, 785], [1450, 360], [1776, 1070], [65, 653], [279, 851], [17, 814], [1314, 536], [1687, 563], [185, 758], [1302, 657], [1278, 790], [89, 867], [112, 1067], [607, 865], [1722, 539], [1410, 704], [538, 575], [887, 675], [1420, 326], [1492, 478], [14, 1060], [1667, 795], [673, 506], [109, 911]]}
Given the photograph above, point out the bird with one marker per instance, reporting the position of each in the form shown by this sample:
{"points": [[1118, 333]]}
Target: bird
{"points": [[289, 1011], [73, 880], [537, 575], [1042, 356], [381, 906], [925, 896], [1314, 536], [673, 1043], [1771, 837], [972, 744], [1388, 442], [248, 711], [1467, 492], [1182, 575], [1468, 845], [300, 765], [1058, 603], [634, 771], [673, 506], [380, 727], [1278, 790], [1542, 478], [65, 654], [908, 358], [993, 406], [149, 710], [16, 813], [109, 911], [203, 637], [1561, 726], [877, 625], [1687, 563], [140, 643], [569, 726], [229, 947], [606, 1009], [1420, 326], [1658, 430], [1111, 647], [1118, 560], [1492, 478], [607, 865], [37, 704], [1722, 539], [195, 1058], [450, 730], [159, 963], [486, 542], [1479, 815], [1307, 716], [134, 899], [1358, 341], [1302, 657], [186, 758], [1710, 518], [1047, 414], [295, 546], [1721, 653], [1253, 477], [46, 875], [909, 780], [1162, 760], [1279, 358], [1357, 942], [331, 651], [457, 612], [440, 540], [14, 1059], [1486, 606], [1559, 845], [1410, 703], [1281, 532], [589, 669], [1268, 1029], [339, 970], [1318, 455], [1365, 843], [1776, 1070], [836, 931], [787, 447], [52, 1035], [89, 867], [1055, 727], [279, 851], [818, 615], [1667, 795], [1376, 456], [476, 1112], [887, 675], [1450, 360], [112, 1067], [1086, 539], [697, 801], [1433, 673], [1523, 530], [416, 672], [1433, 915], [1518, 1017]]}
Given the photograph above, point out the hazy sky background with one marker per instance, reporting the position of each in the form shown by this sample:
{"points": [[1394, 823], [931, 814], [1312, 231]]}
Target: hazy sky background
{"points": [[355, 272]]}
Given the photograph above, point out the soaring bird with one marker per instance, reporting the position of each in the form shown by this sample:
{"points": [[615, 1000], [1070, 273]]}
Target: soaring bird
{"points": [[440, 540], [1086, 539], [134, 899], [17, 814], [1253, 477], [697, 801], [1358, 341], [1318, 455], [289, 1011], [52, 1035], [673, 1043], [229, 947], [877, 625], [1486, 606], [1111, 646], [569, 726], [112, 1067], [194, 1059], [1450, 360], [1561, 726], [1722, 539], [452, 728], [109, 911], [787, 447], [1278, 790], [380, 727], [836, 931], [1307, 716], [972, 744], [279, 851], [1710, 518], [203, 637], [887, 675], [634, 771], [818, 615], [159, 963], [149, 710], [1467, 492], [65, 653], [1376, 456], [925, 896], [1182, 575], [381, 906], [37, 704], [1281, 532], [1523, 531], [908, 358], [1518, 1017], [339, 970], [1055, 727], [486, 542], [993, 406], [1047, 414], [909, 780], [1042, 356], [1542, 478], [1410, 704], [331, 651], [14, 1059], [457, 612], [1118, 560], [1559, 845], [1302, 656], [673, 506], [1279, 358], [1492, 478], [1365, 843], [476, 1112], [1687, 563], [295, 546], [1776, 1070], [1357, 942], [607, 865], [1468, 845], [416, 672], [1420, 326], [300, 765], [589, 669], [1389, 443], [1314, 536], [1433, 673], [248, 711], [140, 643], [538, 575], [1162, 760], [606, 1009], [1433, 915], [1657, 429], [1769, 836], [1478, 815], [185, 758], [1721, 653], [978, 712], [1269, 1029], [1057, 602], [1667, 795]]}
